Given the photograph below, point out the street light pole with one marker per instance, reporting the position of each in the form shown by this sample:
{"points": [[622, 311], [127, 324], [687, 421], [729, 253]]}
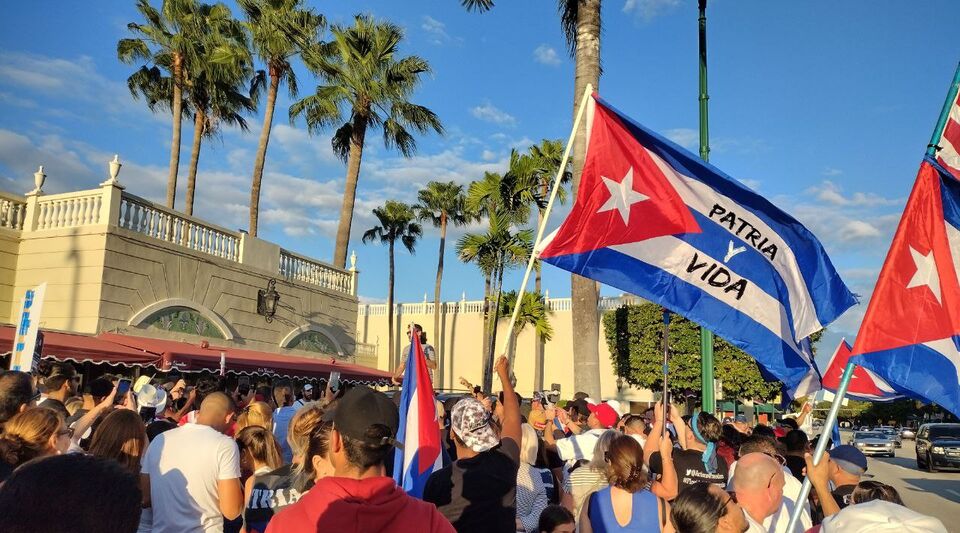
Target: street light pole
{"points": [[706, 336]]}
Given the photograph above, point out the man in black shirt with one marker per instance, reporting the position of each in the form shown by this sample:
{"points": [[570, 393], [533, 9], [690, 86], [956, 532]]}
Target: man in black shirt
{"points": [[696, 461], [478, 491], [60, 384]]}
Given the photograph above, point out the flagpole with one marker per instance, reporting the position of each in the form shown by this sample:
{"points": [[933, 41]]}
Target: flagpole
{"points": [[944, 114], [707, 395], [584, 100], [821, 444]]}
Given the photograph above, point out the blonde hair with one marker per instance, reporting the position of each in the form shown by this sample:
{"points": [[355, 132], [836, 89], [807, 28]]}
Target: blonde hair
{"points": [[261, 445], [256, 414], [301, 427], [73, 404], [27, 435], [528, 445]]}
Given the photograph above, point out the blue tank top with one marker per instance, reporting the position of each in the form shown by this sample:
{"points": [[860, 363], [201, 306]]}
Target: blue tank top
{"points": [[644, 516]]}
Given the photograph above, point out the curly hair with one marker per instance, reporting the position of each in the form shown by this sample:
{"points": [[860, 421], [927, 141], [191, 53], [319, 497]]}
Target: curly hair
{"points": [[624, 461]]}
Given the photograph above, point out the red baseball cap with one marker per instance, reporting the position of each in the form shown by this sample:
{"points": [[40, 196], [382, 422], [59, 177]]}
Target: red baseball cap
{"points": [[604, 413]]}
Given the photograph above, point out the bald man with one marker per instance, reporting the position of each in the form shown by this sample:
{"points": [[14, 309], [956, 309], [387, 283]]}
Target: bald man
{"points": [[190, 475], [758, 483]]}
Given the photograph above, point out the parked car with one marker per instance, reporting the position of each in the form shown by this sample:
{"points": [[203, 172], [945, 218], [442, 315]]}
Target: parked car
{"points": [[892, 433], [908, 433], [938, 447], [873, 443]]}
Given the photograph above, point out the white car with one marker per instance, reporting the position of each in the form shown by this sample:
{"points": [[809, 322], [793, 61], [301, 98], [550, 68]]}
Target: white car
{"points": [[874, 443]]}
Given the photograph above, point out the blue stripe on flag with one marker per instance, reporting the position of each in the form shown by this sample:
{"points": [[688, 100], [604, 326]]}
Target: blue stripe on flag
{"points": [[406, 395], [780, 357], [936, 380], [829, 294]]}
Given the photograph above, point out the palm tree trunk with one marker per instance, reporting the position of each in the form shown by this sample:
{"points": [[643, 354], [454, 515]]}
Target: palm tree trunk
{"points": [[175, 142], [494, 319], [436, 298], [393, 352], [584, 295], [194, 159], [349, 193], [262, 150], [485, 349]]}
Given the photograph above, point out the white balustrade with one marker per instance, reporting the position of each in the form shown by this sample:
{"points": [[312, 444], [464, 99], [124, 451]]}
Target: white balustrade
{"points": [[606, 303], [69, 210], [12, 212], [296, 267], [147, 218]]}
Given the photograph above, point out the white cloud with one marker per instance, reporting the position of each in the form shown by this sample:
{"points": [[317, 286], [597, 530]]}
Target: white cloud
{"points": [[649, 9], [752, 183], [487, 112], [546, 55], [831, 193], [436, 31], [488, 155], [855, 230], [685, 137], [450, 164], [831, 172]]}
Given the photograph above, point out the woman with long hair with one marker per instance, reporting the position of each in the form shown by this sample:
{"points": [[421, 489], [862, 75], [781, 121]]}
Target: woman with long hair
{"points": [[587, 477], [287, 483], [35, 432], [122, 437], [256, 414], [626, 504], [317, 463], [531, 489]]}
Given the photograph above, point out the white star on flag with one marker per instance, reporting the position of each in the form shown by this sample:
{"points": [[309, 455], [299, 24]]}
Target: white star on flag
{"points": [[926, 274], [622, 196]]}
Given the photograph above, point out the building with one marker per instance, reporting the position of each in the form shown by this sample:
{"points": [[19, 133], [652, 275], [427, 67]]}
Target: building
{"points": [[459, 348], [115, 263]]}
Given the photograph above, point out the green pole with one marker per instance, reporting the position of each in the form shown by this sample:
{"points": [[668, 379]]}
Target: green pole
{"points": [[944, 113], [706, 336]]}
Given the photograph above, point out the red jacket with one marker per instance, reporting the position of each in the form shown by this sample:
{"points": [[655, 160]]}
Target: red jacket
{"points": [[345, 505]]}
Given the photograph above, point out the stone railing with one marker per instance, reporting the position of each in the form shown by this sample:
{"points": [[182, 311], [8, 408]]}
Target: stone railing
{"points": [[296, 267], [147, 218], [606, 303], [69, 210], [365, 350], [13, 210]]}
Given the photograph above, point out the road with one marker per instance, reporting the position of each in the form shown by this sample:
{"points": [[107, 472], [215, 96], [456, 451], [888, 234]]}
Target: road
{"points": [[935, 494]]}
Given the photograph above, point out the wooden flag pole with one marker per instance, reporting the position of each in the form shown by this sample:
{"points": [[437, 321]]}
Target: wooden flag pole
{"points": [[546, 213], [822, 444]]}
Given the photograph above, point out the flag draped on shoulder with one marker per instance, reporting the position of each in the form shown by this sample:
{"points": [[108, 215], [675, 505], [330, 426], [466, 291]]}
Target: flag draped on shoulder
{"points": [[864, 385], [418, 432], [654, 220], [910, 335]]}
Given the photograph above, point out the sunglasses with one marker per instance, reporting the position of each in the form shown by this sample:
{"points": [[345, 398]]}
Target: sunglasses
{"points": [[777, 457], [35, 397], [732, 497]]}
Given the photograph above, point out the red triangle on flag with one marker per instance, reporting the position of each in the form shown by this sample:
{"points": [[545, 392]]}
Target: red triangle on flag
{"points": [[863, 382], [623, 196], [917, 296]]}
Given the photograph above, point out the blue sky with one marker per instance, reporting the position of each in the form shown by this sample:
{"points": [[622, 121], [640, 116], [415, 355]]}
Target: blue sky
{"points": [[826, 108]]}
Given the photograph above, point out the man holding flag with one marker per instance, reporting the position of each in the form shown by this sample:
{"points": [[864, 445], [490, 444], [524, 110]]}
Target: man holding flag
{"points": [[419, 430]]}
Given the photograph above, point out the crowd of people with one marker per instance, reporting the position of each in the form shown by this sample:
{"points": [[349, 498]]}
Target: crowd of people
{"points": [[216, 456]]}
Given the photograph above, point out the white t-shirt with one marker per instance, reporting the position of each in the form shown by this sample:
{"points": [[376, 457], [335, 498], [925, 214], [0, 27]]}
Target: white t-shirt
{"points": [[184, 465], [778, 522], [576, 447]]}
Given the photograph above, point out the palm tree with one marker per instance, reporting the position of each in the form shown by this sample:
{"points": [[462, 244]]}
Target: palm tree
{"points": [[396, 221], [533, 312], [580, 24], [498, 249], [547, 157], [442, 203], [365, 85], [216, 81], [271, 24], [165, 41]]}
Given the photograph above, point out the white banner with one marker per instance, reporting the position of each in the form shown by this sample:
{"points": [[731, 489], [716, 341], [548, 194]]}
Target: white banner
{"points": [[25, 338]]}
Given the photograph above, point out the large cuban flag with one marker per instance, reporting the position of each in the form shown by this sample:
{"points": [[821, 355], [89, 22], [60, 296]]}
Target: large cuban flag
{"points": [[910, 335], [419, 431], [654, 220]]}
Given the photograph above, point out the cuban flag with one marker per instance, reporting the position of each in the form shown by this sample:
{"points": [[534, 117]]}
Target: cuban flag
{"points": [[910, 335], [419, 431], [656, 221], [948, 146], [864, 385], [811, 382]]}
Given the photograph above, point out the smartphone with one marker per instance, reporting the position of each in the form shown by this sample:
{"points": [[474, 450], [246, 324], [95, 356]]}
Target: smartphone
{"points": [[334, 381], [123, 387], [243, 385]]}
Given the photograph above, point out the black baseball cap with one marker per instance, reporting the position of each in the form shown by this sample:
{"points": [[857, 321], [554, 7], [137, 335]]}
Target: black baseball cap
{"points": [[366, 415]]}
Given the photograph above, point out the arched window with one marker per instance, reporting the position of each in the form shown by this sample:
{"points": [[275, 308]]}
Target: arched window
{"points": [[179, 319], [314, 341]]}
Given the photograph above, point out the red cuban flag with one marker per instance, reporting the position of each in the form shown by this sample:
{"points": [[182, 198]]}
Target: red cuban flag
{"points": [[910, 335], [620, 183], [419, 431], [864, 385]]}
